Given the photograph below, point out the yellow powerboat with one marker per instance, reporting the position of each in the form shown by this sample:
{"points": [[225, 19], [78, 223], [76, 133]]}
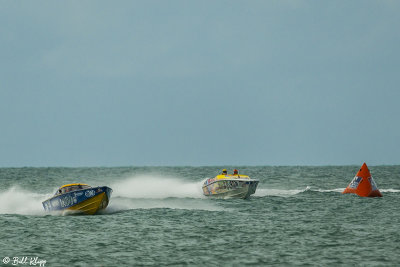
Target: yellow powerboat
{"points": [[79, 198], [230, 185]]}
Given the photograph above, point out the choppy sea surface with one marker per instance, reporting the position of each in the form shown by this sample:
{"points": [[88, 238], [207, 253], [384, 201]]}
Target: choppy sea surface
{"points": [[158, 216]]}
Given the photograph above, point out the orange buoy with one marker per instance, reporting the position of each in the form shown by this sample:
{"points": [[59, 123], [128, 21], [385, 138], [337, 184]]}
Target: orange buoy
{"points": [[363, 184]]}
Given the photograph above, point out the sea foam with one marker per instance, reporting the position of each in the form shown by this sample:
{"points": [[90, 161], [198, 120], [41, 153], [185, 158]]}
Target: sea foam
{"points": [[156, 187], [156, 191], [18, 201]]}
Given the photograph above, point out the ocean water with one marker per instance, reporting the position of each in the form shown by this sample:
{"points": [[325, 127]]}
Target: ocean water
{"points": [[158, 216]]}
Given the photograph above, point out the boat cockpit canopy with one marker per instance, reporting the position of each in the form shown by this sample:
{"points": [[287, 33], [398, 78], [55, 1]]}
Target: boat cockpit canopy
{"points": [[71, 187]]}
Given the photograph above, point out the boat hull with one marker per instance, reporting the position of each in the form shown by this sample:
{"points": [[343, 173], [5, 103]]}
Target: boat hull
{"points": [[230, 188], [86, 201]]}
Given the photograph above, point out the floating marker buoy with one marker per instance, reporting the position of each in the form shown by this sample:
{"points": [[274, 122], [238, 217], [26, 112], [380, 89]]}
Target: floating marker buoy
{"points": [[363, 184]]}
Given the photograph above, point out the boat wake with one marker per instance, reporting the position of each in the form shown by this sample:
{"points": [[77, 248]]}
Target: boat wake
{"points": [[340, 190], [156, 187], [337, 190], [140, 192], [262, 192], [18, 201], [390, 190], [151, 192], [146, 192]]}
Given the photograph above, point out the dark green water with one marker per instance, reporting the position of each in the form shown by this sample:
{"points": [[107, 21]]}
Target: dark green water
{"points": [[157, 216]]}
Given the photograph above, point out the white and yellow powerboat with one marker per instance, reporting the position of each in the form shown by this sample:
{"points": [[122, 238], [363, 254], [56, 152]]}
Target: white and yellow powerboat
{"points": [[230, 186]]}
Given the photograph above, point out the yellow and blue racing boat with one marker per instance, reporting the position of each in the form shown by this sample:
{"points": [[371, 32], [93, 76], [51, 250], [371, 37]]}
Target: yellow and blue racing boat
{"points": [[230, 186], [79, 198]]}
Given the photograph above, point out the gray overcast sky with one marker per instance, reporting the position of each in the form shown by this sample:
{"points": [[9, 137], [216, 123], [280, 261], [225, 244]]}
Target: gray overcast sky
{"points": [[115, 83]]}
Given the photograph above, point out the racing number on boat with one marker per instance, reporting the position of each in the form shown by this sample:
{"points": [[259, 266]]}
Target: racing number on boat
{"points": [[66, 201], [231, 184], [90, 193]]}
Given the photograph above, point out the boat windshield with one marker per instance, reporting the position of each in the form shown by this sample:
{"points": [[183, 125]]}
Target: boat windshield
{"points": [[71, 188]]}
